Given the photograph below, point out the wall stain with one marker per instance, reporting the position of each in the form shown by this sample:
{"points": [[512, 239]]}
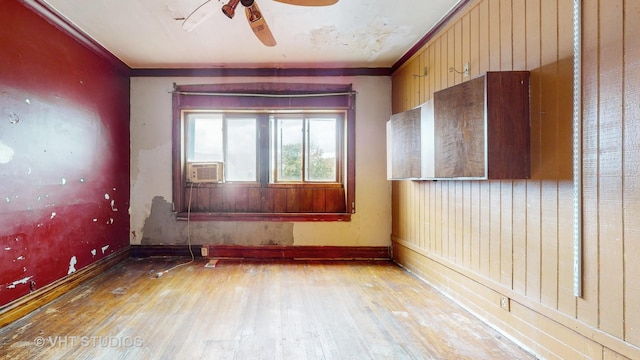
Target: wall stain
{"points": [[161, 227]]}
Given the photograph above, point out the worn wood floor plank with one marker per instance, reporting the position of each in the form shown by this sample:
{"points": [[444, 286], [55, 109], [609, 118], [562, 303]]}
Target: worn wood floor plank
{"points": [[253, 310]]}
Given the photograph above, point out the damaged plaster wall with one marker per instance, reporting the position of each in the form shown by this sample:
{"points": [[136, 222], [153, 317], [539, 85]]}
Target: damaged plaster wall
{"points": [[152, 221], [161, 227]]}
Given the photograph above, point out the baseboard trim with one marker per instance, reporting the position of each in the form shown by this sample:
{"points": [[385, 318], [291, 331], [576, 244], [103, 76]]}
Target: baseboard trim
{"points": [[30, 302], [457, 278], [267, 252]]}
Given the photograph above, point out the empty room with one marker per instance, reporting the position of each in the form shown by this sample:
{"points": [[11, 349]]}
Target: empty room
{"points": [[319, 179]]}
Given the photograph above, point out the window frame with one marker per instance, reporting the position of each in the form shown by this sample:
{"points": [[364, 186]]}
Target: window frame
{"points": [[306, 117], [256, 98]]}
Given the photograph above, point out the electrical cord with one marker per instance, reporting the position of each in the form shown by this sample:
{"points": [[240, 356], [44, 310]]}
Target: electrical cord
{"points": [[159, 274]]}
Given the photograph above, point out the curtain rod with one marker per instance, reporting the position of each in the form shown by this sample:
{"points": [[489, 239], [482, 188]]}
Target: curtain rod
{"points": [[263, 95]]}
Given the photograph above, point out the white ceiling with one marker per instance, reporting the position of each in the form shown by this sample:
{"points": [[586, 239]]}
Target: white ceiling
{"points": [[351, 33]]}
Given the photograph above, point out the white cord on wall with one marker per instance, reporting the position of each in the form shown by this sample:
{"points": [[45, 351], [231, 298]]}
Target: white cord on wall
{"points": [[159, 274]]}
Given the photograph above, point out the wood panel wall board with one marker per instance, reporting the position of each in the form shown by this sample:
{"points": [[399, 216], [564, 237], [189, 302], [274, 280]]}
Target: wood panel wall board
{"points": [[395, 206], [549, 254], [465, 43], [608, 354], [520, 215], [506, 233], [549, 31], [437, 65], [535, 120], [430, 80], [506, 35], [267, 201], [631, 172], [566, 297], [456, 59], [565, 119], [557, 342], [588, 303], [565, 29], [484, 37], [467, 242], [447, 219], [424, 220], [549, 119], [495, 228], [534, 240], [444, 61], [417, 81], [476, 226], [319, 200], [532, 28], [459, 238], [485, 229], [439, 210], [610, 169], [430, 187], [474, 42], [414, 213], [519, 35], [494, 35]]}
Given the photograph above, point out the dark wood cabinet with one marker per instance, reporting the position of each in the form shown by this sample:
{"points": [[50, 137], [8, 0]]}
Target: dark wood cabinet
{"points": [[478, 129]]}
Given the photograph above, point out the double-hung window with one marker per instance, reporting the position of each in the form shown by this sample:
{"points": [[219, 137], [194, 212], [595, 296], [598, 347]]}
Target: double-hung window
{"points": [[283, 153], [305, 148]]}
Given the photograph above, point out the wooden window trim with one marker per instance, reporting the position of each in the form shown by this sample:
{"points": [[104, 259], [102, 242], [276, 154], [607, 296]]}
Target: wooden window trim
{"points": [[327, 97]]}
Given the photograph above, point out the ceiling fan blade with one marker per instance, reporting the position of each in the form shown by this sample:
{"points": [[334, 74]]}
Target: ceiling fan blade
{"points": [[259, 25], [308, 2], [200, 14]]}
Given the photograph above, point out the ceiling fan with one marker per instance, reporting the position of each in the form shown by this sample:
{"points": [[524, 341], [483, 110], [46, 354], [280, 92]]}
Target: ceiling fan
{"points": [[252, 11]]}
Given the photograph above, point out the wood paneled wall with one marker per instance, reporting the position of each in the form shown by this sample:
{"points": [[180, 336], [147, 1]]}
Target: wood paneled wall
{"points": [[480, 240]]}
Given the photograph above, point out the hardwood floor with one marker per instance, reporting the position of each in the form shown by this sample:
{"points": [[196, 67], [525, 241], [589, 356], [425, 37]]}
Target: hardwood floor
{"points": [[253, 310]]}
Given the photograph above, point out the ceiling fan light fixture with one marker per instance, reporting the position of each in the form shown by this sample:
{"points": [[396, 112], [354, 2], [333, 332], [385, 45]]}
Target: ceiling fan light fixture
{"points": [[254, 13], [229, 9]]}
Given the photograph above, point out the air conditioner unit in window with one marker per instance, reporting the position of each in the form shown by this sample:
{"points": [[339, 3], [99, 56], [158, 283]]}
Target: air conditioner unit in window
{"points": [[205, 172]]}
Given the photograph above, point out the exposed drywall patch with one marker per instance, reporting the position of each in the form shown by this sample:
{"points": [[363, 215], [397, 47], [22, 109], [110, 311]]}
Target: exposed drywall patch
{"points": [[72, 265], [161, 227], [18, 282], [6, 153], [53, 214], [13, 118], [94, 252], [104, 248]]}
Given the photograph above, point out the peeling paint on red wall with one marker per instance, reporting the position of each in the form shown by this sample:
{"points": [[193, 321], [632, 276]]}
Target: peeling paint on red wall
{"points": [[64, 144]]}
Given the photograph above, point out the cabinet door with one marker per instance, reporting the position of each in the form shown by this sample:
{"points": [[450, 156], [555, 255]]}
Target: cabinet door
{"points": [[404, 145], [460, 131]]}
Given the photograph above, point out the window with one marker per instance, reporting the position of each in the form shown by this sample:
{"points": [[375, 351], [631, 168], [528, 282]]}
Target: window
{"points": [[306, 148], [231, 140], [287, 152]]}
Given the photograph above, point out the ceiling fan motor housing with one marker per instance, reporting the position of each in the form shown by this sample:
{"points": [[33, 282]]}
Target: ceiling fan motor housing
{"points": [[246, 3]]}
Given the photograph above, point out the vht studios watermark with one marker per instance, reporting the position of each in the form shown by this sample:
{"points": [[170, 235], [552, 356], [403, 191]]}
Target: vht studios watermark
{"points": [[88, 341]]}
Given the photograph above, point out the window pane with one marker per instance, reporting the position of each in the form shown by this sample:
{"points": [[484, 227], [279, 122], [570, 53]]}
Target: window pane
{"points": [[241, 161], [321, 154], [204, 137], [288, 148]]}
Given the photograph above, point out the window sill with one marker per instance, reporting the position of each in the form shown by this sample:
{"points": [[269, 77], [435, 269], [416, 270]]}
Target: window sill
{"points": [[284, 217]]}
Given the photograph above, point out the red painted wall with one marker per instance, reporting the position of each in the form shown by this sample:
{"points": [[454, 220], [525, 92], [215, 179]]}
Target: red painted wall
{"points": [[64, 154]]}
